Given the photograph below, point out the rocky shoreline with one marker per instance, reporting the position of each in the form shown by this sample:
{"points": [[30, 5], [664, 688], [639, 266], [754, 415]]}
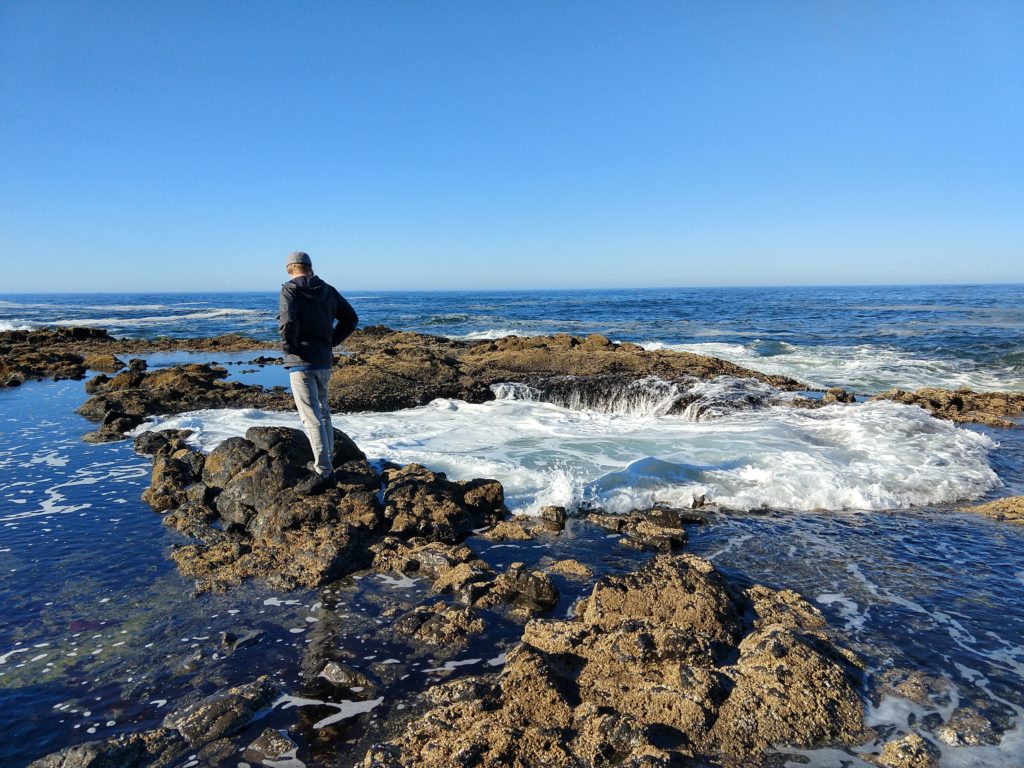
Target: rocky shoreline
{"points": [[71, 352], [668, 663], [384, 369], [659, 665]]}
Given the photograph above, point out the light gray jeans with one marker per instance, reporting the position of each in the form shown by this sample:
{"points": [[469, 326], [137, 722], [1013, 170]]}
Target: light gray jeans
{"points": [[309, 388]]}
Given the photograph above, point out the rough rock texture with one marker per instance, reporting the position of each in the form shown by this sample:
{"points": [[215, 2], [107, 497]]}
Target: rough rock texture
{"points": [[126, 400], [457, 571], [528, 591], [916, 686], [243, 505], [667, 664], [963, 405], [103, 362], [418, 502], [344, 676], [967, 727], [441, 625], [68, 353], [837, 395], [388, 369], [271, 746], [572, 569], [1008, 510], [910, 751], [222, 713], [44, 354], [658, 529], [149, 749], [553, 518]]}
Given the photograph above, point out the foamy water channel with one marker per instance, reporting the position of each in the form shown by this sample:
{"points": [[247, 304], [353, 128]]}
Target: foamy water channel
{"points": [[870, 456]]}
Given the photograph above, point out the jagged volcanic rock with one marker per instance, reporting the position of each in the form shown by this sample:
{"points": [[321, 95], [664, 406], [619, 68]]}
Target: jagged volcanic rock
{"points": [[668, 664], [962, 405], [243, 505]]}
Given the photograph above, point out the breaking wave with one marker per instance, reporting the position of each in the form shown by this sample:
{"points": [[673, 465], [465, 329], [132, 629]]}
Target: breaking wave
{"points": [[865, 368], [691, 399]]}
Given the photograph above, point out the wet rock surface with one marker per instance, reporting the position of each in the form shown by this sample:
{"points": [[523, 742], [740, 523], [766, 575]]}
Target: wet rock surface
{"points": [[666, 664], [441, 625], [674, 664], [271, 746], [243, 505], [1007, 510], [830, 396], [963, 406], [150, 749], [658, 529], [910, 751], [221, 714]]}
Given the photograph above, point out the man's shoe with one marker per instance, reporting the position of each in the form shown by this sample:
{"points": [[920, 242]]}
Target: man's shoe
{"points": [[313, 484]]}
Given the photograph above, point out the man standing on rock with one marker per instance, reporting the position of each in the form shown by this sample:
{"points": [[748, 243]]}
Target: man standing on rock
{"points": [[308, 310]]}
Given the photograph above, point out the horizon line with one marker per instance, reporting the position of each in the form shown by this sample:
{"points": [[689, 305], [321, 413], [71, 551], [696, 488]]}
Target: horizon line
{"points": [[537, 290]]}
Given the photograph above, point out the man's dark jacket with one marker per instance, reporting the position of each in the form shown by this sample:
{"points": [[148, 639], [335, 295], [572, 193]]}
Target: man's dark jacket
{"points": [[308, 309]]}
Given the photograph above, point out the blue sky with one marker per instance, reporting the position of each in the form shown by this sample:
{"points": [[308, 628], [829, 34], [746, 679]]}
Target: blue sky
{"points": [[192, 145]]}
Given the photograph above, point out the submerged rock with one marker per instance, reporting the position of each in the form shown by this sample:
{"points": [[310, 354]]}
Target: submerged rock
{"points": [[510, 530], [666, 664], [967, 727]]}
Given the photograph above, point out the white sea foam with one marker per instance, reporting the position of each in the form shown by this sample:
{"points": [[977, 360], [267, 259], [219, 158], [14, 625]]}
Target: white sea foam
{"points": [[134, 307], [871, 456], [14, 325], [865, 368], [346, 709], [150, 320], [490, 333], [854, 616]]}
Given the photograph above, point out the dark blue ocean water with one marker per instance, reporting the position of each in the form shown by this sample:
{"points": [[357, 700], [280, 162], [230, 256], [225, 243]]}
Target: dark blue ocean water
{"points": [[99, 631]]}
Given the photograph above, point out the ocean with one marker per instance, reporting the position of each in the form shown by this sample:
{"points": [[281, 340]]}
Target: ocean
{"points": [[854, 507]]}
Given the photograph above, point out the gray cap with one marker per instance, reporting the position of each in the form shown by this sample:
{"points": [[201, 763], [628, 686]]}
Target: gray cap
{"points": [[298, 257]]}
